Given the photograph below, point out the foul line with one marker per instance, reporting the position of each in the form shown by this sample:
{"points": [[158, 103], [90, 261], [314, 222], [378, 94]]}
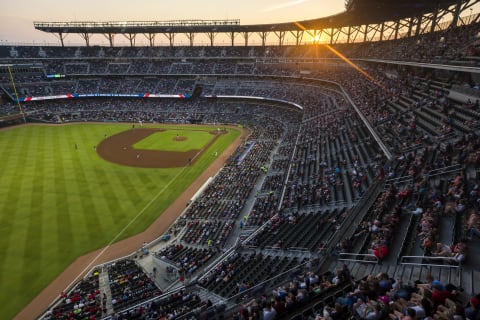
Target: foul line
{"points": [[130, 223], [126, 227]]}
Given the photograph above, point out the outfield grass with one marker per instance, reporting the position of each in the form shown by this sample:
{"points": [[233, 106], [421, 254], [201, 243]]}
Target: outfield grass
{"points": [[58, 202], [167, 140]]}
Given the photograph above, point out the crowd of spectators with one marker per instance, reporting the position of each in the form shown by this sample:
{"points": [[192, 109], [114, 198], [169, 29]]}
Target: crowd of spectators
{"points": [[382, 297], [129, 284], [448, 44], [172, 306], [309, 160], [429, 196], [186, 259], [337, 295], [85, 301]]}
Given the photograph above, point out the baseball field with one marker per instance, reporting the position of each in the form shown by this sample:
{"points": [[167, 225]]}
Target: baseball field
{"points": [[67, 190]]}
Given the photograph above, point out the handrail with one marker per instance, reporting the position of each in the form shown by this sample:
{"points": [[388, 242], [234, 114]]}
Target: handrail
{"points": [[451, 261], [348, 225], [253, 288], [406, 236], [399, 179], [299, 249], [444, 170], [163, 296], [366, 123], [357, 255]]}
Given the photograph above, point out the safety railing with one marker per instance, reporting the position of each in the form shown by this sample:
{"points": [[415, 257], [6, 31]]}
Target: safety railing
{"points": [[358, 257], [443, 262]]}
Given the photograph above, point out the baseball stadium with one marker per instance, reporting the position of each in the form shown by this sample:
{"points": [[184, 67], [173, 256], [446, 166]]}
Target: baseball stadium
{"points": [[326, 168]]}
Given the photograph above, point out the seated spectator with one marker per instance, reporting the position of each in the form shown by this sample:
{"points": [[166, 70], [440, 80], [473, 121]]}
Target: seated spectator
{"points": [[459, 250], [384, 283], [440, 294], [379, 250], [338, 312], [447, 310], [472, 311], [442, 250], [473, 224], [269, 312]]}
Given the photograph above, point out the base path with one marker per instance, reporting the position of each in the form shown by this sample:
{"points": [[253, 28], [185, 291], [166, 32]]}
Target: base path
{"points": [[127, 246], [119, 149]]}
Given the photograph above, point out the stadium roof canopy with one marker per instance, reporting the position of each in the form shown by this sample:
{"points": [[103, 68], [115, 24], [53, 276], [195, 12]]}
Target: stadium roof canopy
{"points": [[357, 13], [376, 11]]}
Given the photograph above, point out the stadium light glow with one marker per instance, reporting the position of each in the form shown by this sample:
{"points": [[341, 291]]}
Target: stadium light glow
{"points": [[344, 58], [356, 67]]}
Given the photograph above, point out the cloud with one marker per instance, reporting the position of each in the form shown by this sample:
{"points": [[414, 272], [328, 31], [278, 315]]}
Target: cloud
{"points": [[284, 5]]}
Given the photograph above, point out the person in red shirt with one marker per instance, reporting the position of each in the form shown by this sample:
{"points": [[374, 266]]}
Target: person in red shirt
{"points": [[439, 294], [381, 251]]}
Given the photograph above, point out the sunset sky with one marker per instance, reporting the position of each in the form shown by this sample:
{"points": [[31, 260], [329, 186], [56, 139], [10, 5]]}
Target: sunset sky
{"points": [[17, 16]]}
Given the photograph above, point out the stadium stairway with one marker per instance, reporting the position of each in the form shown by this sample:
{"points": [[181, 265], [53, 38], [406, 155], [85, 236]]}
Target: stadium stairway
{"points": [[206, 295], [105, 288], [162, 278], [249, 203]]}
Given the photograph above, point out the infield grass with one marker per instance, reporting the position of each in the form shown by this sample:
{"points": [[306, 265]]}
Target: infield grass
{"points": [[58, 202], [175, 140]]}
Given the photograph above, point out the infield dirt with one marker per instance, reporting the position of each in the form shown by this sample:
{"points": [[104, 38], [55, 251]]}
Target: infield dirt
{"points": [[119, 149], [127, 246]]}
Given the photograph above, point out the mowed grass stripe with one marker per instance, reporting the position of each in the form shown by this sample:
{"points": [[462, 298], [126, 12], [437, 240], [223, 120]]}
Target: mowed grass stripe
{"points": [[125, 202], [73, 201], [91, 203], [9, 153], [130, 187], [34, 223], [108, 192], [63, 224], [123, 189], [14, 226], [13, 188], [76, 199], [147, 188]]}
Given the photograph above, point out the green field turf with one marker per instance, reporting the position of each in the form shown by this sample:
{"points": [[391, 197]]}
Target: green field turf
{"points": [[58, 202], [167, 140]]}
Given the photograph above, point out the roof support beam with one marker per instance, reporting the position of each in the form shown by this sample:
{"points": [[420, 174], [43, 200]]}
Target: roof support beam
{"points": [[86, 36], [419, 26], [389, 30], [245, 38], [231, 35], [263, 36], [429, 16], [211, 37], [62, 37], [410, 27], [191, 37], [353, 33], [456, 13], [281, 37], [382, 29], [462, 7], [397, 27], [110, 37], [433, 25], [131, 38], [298, 35], [171, 38], [151, 38]]}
